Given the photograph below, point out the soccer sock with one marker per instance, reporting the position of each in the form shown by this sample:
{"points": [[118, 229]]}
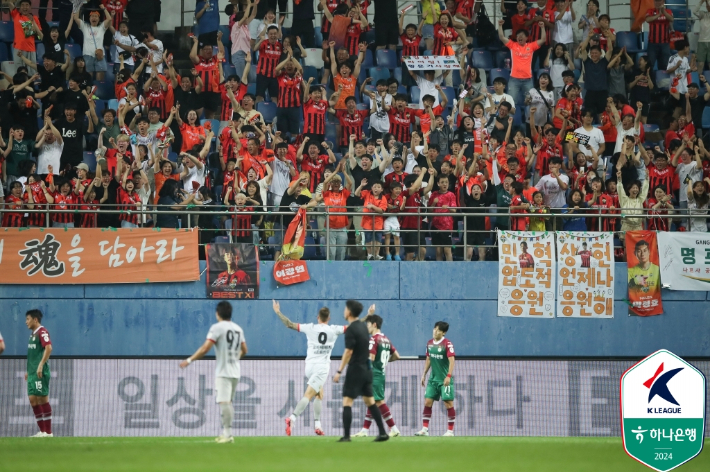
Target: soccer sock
{"points": [[386, 415], [451, 413], [47, 410], [375, 412], [39, 413], [227, 418], [317, 408], [427, 416], [368, 420], [300, 407], [347, 420]]}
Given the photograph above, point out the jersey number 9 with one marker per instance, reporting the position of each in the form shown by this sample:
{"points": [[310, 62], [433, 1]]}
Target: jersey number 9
{"points": [[231, 335], [384, 358]]}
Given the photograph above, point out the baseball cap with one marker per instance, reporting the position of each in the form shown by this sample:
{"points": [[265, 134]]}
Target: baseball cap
{"points": [[83, 167]]}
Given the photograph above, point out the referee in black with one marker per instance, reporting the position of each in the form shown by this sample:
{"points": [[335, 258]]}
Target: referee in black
{"points": [[358, 380]]}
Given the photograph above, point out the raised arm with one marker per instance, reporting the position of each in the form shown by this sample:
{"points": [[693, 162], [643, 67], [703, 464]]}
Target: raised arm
{"points": [[288, 323]]}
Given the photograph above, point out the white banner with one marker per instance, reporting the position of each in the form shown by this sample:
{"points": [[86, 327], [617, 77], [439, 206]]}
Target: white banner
{"points": [[586, 275], [431, 62], [526, 280], [685, 260]]}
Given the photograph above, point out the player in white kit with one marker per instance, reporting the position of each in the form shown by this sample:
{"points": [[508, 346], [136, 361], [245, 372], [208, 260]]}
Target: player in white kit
{"points": [[321, 339], [230, 346]]}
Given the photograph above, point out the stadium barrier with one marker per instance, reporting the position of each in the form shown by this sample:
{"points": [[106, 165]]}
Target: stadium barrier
{"points": [[154, 397]]}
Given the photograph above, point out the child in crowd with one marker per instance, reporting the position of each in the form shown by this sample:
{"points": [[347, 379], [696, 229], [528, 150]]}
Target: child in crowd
{"points": [[373, 202], [395, 204]]}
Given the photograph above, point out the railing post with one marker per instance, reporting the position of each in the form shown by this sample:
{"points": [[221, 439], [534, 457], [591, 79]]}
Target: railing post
{"points": [[327, 235], [465, 239], [419, 233]]}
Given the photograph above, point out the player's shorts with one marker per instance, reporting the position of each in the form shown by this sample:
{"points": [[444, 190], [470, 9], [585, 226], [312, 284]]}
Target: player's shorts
{"points": [[392, 225], [317, 375], [437, 391], [38, 387], [378, 387], [358, 381], [225, 386]]}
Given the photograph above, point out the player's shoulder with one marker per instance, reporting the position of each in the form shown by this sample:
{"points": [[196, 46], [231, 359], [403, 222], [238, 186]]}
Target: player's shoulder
{"points": [[430, 342], [448, 343], [42, 330]]}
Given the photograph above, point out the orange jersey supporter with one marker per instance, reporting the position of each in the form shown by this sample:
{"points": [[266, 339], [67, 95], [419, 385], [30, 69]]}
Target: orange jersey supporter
{"points": [[191, 136], [378, 221], [348, 84]]}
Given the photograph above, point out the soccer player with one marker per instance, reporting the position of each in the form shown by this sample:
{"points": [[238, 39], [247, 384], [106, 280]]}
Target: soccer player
{"points": [[381, 352], [39, 349], [358, 380], [321, 339], [440, 357], [230, 346]]}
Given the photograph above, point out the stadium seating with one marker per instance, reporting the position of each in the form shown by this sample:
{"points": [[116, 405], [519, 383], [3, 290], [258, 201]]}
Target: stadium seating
{"points": [[414, 93], [368, 61], [386, 58], [74, 50], [9, 67], [268, 110], [7, 31], [4, 54], [308, 72], [630, 40], [501, 57], [377, 73], [504, 73], [90, 160], [330, 133], [112, 104], [251, 88], [40, 51], [481, 59], [397, 74], [105, 90], [450, 93], [706, 118], [229, 69]]}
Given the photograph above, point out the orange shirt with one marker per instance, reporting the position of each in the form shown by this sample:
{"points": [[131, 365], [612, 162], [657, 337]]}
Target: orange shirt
{"points": [[191, 136], [377, 221], [24, 34], [336, 201], [521, 59], [160, 181], [348, 84]]}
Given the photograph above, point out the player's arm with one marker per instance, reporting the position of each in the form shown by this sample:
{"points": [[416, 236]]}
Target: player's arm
{"points": [[427, 364], [2, 346], [200, 353], [346, 358], [447, 380], [288, 323], [45, 358]]}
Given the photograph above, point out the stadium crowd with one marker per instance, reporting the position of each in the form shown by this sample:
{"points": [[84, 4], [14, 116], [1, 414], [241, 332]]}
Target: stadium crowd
{"points": [[98, 116]]}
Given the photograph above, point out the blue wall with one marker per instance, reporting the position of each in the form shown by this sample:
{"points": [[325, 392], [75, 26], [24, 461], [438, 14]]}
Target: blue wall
{"points": [[173, 319]]}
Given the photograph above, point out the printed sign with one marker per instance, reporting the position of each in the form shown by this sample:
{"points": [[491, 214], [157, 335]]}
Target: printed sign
{"points": [[289, 272], [431, 62], [685, 261], [526, 280], [97, 256], [663, 411], [585, 275], [232, 271], [644, 275]]}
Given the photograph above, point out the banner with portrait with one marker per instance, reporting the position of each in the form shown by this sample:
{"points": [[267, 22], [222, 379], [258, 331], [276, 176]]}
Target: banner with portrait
{"points": [[232, 271], [585, 283], [685, 261], [644, 275], [526, 279], [98, 255]]}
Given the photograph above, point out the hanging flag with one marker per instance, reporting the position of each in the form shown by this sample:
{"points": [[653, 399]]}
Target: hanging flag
{"points": [[289, 269], [644, 275]]}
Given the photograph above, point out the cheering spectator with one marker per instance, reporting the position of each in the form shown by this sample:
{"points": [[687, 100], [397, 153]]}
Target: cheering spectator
{"points": [[209, 68], [313, 162], [18, 149], [564, 20], [627, 125], [303, 16], [659, 38], [372, 226], [703, 49], [156, 49], [12, 215], [171, 198], [290, 79], [27, 27], [689, 171], [334, 197], [351, 119], [589, 20], [607, 36], [443, 201], [126, 44], [296, 196], [129, 200], [52, 78], [631, 199], [554, 185], [575, 208], [698, 204], [314, 111], [192, 132], [330, 5], [194, 170], [241, 38], [538, 32], [679, 67], [65, 199], [660, 207], [269, 57], [542, 97], [558, 60], [207, 16], [94, 55]]}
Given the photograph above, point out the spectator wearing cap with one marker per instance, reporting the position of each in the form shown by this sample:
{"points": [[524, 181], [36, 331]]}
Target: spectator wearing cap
{"points": [[207, 16], [93, 51], [27, 27], [659, 37], [698, 102]]}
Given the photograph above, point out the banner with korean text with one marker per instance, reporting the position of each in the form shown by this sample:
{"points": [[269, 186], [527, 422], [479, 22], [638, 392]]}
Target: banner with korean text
{"points": [[431, 62], [685, 261], [644, 275], [586, 275], [97, 256], [526, 280]]}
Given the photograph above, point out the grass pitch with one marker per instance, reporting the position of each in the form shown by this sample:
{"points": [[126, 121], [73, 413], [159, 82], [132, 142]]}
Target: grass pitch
{"points": [[410, 454]]}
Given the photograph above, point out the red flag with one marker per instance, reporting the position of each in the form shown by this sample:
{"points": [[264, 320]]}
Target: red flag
{"points": [[289, 269]]}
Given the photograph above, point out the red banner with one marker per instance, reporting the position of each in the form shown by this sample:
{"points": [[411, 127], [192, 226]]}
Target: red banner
{"points": [[644, 276], [291, 272]]}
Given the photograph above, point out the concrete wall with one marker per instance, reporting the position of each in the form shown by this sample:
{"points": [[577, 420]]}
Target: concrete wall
{"points": [[173, 319]]}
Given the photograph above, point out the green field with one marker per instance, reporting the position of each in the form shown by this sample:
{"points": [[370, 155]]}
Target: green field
{"points": [[480, 454]]}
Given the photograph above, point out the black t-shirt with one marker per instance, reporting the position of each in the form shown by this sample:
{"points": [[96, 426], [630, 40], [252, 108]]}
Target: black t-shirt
{"points": [[499, 134], [478, 223], [54, 78], [189, 100], [697, 105], [104, 220], [73, 135], [629, 173], [373, 175], [286, 202], [164, 220], [466, 137], [640, 92], [76, 98], [302, 10], [27, 117], [595, 75], [357, 338], [386, 10]]}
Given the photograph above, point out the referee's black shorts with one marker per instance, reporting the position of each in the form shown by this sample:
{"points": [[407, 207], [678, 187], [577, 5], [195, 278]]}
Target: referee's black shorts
{"points": [[358, 381]]}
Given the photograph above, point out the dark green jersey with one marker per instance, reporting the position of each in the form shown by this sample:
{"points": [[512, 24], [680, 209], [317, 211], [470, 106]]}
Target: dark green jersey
{"points": [[383, 349], [39, 339], [438, 354]]}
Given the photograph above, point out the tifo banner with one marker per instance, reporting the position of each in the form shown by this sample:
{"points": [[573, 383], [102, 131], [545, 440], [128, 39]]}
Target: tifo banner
{"points": [[97, 256], [685, 260], [431, 62], [644, 276], [586, 275], [232, 271], [151, 397], [291, 272], [526, 280]]}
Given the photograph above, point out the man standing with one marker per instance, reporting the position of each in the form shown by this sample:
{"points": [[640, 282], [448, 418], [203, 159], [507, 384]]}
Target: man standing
{"points": [[521, 52], [39, 349], [659, 37], [230, 346], [358, 380], [207, 16], [321, 339]]}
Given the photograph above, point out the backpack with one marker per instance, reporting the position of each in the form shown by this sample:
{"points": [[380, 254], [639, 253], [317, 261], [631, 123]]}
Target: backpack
{"points": [[485, 30]]}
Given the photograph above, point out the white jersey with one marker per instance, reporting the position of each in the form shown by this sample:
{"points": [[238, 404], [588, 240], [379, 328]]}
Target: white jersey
{"points": [[227, 337], [321, 339]]}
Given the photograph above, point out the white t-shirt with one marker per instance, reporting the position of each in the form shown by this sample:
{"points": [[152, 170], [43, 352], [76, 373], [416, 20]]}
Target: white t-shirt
{"points": [[621, 133], [685, 171], [380, 120], [427, 87], [227, 337], [563, 28], [557, 66], [263, 191], [93, 38], [588, 140], [157, 56], [281, 177], [194, 174], [554, 196], [681, 73], [538, 100], [136, 109], [129, 40], [256, 27], [321, 339], [49, 155], [500, 98]]}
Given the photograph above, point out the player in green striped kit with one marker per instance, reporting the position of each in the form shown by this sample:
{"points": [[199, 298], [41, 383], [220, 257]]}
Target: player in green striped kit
{"points": [[440, 357], [381, 353], [39, 349]]}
